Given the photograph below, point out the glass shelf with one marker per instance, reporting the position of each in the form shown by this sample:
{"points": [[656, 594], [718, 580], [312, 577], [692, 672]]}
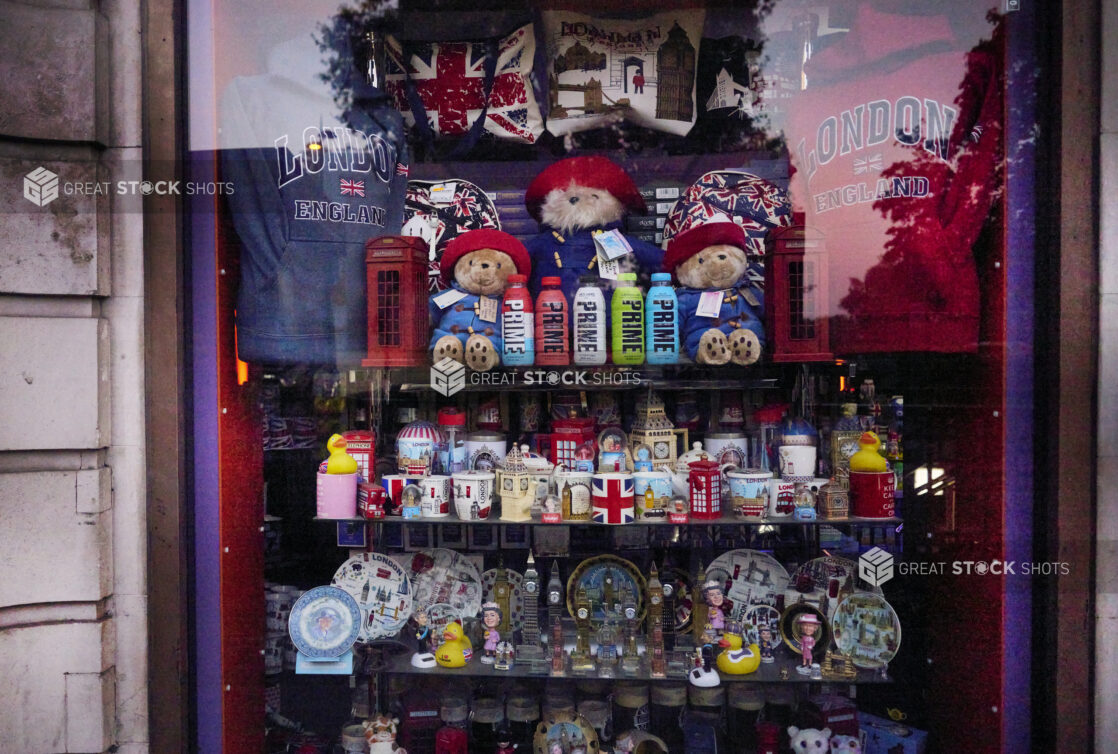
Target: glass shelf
{"points": [[723, 521]]}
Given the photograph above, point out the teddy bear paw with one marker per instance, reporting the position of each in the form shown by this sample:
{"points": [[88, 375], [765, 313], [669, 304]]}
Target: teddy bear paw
{"points": [[481, 355], [745, 347], [447, 347], [713, 348]]}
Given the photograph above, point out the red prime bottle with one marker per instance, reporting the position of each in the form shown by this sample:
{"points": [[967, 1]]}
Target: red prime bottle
{"points": [[552, 329]]}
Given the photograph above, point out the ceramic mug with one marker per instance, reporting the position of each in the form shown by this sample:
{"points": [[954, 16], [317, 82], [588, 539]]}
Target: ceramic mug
{"points": [[485, 451], [782, 498], [659, 481], [749, 490], [394, 485], [436, 496], [473, 494]]}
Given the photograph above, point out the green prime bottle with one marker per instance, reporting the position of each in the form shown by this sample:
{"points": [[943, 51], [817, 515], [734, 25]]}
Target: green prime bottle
{"points": [[627, 321]]}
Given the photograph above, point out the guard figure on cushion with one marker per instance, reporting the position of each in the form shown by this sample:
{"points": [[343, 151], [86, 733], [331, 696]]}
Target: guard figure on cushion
{"points": [[574, 199], [467, 317], [719, 308]]}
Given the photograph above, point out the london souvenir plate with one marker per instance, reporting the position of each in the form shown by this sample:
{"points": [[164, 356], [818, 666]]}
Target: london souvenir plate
{"points": [[382, 590], [748, 578], [607, 580], [516, 593], [324, 622], [866, 627], [823, 576], [442, 575]]}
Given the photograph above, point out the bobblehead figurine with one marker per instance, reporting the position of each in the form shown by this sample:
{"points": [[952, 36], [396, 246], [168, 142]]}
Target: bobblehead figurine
{"points": [[491, 616], [715, 599], [573, 200], [467, 318], [808, 626], [423, 657]]}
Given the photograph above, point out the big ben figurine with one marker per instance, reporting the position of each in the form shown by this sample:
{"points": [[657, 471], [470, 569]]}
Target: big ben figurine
{"points": [[699, 606], [502, 595], [555, 604], [529, 650], [630, 655], [581, 658], [655, 597]]}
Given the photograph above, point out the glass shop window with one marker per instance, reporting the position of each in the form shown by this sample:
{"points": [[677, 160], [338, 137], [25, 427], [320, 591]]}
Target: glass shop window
{"points": [[824, 184]]}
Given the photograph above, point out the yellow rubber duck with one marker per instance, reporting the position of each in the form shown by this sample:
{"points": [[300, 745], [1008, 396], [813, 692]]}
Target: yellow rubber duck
{"points": [[456, 650], [868, 459], [339, 461], [736, 660]]}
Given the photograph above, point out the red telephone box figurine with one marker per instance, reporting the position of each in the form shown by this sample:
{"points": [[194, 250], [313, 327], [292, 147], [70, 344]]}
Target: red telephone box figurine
{"points": [[396, 270], [705, 483], [796, 316]]}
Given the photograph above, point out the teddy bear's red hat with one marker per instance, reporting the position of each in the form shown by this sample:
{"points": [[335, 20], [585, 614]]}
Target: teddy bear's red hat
{"points": [[682, 247], [593, 172], [484, 238]]}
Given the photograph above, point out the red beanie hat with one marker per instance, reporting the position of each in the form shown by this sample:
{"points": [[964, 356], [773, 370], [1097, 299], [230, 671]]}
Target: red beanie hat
{"points": [[594, 172], [692, 241], [484, 238]]}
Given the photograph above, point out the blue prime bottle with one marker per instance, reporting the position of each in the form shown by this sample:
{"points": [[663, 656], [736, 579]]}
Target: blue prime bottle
{"points": [[661, 312]]}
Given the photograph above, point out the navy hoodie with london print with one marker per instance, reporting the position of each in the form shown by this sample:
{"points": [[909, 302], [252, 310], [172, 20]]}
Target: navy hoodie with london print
{"points": [[310, 187]]}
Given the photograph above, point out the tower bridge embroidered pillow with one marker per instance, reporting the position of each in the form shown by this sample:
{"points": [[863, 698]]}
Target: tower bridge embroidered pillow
{"points": [[451, 85], [601, 70]]}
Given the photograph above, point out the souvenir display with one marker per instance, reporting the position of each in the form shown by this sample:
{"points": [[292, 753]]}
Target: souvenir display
{"points": [[382, 590], [514, 613], [443, 576], [324, 622], [565, 733], [750, 578], [607, 580], [866, 628]]}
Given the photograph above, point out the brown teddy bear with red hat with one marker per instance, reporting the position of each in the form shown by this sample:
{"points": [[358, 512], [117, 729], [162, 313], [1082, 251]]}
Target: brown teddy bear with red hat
{"points": [[476, 265], [574, 199], [709, 258]]}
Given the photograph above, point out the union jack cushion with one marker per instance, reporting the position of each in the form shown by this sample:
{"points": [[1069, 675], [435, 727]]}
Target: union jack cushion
{"points": [[438, 222], [449, 78]]}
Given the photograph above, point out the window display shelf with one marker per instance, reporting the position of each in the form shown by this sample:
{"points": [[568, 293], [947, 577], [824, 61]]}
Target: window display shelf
{"points": [[723, 521], [767, 673]]}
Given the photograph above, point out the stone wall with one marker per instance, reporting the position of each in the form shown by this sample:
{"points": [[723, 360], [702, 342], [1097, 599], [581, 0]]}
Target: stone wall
{"points": [[73, 615]]}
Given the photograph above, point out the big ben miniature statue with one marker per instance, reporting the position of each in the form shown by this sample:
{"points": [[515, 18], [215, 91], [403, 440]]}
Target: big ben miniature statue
{"points": [[631, 658], [655, 597], [657, 664], [699, 606], [502, 595], [581, 658], [555, 604], [529, 650]]}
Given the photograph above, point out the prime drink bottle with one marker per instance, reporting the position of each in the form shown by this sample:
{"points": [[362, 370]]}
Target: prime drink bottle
{"points": [[589, 324], [552, 331], [661, 321], [518, 329], [627, 313]]}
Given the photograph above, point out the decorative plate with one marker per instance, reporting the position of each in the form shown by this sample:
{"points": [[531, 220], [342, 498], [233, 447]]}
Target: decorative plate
{"points": [[564, 731], [439, 615], [790, 630], [442, 575], [867, 628], [324, 622], [606, 578], [749, 577], [381, 589], [812, 580], [516, 594]]}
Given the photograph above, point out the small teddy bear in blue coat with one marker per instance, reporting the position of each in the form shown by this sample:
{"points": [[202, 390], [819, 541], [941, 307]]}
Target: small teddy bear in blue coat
{"points": [[477, 265], [710, 258]]}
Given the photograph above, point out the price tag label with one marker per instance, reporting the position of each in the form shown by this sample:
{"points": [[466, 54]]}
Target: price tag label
{"points": [[608, 269], [710, 303], [611, 244], [449, 297], [487, 309], [443, 193]]}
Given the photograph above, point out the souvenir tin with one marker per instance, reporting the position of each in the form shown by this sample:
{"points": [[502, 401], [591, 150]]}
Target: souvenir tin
{"points": [[473, 494]]}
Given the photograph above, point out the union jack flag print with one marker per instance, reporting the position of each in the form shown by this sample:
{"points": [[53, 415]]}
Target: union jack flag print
{"points": [[752, 202], [613, 498], [449, 78], [352, 188]]}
